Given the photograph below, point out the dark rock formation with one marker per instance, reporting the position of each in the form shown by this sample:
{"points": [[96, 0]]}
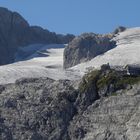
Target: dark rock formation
{"points": [[86, 47], [16, 32], [119, 29]]}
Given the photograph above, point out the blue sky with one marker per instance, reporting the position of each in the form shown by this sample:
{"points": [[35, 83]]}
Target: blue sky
{"points": [[77, 16]]}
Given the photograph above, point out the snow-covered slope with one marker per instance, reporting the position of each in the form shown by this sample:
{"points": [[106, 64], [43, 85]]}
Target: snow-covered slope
{"points": [[126, 52], [46, 61]]}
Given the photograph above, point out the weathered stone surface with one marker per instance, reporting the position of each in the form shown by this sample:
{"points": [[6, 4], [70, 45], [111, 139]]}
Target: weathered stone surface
{"points": [[36, 109], [86, 47], [44, 109], [112, 118]]}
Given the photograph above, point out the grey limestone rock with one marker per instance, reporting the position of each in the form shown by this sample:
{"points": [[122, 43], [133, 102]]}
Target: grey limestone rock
{"points": [[45, 109], [113, 118], [36, 109], [86, 47]]}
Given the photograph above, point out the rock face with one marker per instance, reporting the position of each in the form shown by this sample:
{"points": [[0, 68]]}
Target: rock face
{"points": [[16, 32], [86, 47], [44, 109], [113, 118], [11, 25]]}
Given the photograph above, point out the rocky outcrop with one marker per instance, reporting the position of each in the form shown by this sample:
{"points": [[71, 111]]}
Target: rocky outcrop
{"points": [[45, 109], [87, 46], [112, 118], [16, 32]]}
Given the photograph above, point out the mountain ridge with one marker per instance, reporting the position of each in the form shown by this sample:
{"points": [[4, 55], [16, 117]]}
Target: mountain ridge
{"points": [[16, 32]]}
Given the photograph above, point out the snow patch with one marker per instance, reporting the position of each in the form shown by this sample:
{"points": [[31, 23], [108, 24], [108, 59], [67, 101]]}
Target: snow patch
{"points": [[50, 64]]}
